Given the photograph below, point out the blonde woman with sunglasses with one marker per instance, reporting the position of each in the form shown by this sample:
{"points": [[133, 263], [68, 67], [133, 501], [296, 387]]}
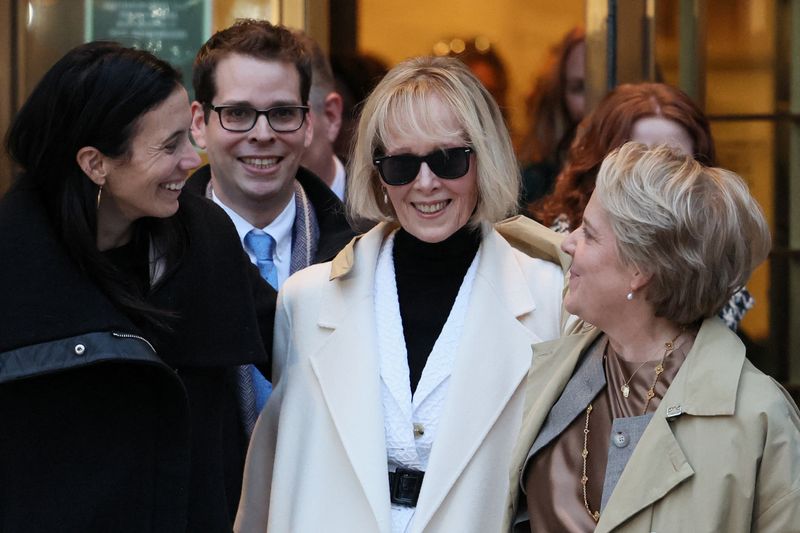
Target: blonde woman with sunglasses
{"points": [[399, 366]]}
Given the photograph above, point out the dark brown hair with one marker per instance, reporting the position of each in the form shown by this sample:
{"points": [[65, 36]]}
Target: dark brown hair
{"points": [[548, 117], [94, 96], [254, 38]]}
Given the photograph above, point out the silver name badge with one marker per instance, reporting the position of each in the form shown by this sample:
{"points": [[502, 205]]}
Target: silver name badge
{"points": [[674, 412]]}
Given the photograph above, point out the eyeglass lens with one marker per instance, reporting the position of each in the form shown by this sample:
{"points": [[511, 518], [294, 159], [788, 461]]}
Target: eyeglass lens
{"points": [[282, 119], [400, 169]]}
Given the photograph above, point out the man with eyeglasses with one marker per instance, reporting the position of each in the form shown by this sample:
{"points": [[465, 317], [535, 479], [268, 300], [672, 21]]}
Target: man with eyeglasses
{"points": [[251, 84]]}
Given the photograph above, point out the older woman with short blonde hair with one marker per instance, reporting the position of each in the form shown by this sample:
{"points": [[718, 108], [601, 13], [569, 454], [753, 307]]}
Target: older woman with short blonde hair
{"points": [[399, 365], [654, 420], [684, 235], [393, 106]]}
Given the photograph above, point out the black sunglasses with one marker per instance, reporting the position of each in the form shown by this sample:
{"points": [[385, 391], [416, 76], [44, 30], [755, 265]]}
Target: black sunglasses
{"points": [[449, 164]]}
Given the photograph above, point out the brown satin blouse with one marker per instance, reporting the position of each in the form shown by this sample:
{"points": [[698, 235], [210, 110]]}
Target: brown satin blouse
{"points": [[553, 488]]}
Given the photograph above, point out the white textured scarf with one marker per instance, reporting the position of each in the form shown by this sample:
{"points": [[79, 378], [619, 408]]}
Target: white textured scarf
{"points": [[401, 411]]}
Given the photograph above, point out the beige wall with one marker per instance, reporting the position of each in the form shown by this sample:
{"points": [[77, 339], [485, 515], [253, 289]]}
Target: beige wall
{"points": [[521, 30]]}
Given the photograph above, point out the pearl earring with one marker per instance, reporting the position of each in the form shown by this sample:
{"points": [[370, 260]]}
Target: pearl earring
{"points": [[629, 296]]}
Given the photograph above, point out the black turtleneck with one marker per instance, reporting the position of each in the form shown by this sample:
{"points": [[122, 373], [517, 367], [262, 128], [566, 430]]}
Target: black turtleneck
{"points": [[428, 277]]}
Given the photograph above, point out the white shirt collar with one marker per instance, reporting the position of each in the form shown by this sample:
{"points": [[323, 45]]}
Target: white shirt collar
{"points": [[339, 179]]}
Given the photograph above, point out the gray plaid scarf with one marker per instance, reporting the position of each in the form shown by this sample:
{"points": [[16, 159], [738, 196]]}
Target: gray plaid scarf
{"points": [[305, 238]]}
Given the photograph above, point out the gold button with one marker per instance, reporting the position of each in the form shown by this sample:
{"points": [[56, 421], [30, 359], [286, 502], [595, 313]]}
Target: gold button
{"points": [[419, 430]]}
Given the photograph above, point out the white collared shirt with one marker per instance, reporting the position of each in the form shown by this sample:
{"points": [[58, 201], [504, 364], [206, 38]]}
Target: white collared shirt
{"points": [[279, 229], [339, 179]]}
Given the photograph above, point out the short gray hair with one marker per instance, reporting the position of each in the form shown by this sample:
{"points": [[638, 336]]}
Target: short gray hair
{"points": [[403, 97], [695, 229]]}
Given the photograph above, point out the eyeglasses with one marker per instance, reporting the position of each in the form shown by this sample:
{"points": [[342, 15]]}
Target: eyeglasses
{"points": [[449, 164], [239, 119]]}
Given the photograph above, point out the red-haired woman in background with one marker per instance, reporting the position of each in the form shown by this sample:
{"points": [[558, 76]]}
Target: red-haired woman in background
{"points": [[649, 113]]}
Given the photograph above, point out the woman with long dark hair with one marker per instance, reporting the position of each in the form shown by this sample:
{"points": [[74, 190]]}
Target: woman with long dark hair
{"points": [[124, 305], [554, 107]]}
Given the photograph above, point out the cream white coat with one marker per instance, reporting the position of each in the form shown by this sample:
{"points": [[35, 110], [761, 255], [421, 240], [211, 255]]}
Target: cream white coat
{"points": [[317, 459]]}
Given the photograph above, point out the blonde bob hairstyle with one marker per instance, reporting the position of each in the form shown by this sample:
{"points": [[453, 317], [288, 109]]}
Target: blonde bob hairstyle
{"points": [[695, 230], [399, 105]]}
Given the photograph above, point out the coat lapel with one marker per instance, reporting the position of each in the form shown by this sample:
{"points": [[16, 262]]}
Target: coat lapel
{"points": [[535, 240], [706, 385], [587, 380], [553, 364], [349, 356], [492, 360], [657, 466]]}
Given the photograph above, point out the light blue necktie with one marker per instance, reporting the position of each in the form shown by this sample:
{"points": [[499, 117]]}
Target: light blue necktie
{"points": [[263, 247], [255, 388]]}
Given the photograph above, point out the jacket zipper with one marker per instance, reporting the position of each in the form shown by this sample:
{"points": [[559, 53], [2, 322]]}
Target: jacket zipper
{"points": [[132, 336]]}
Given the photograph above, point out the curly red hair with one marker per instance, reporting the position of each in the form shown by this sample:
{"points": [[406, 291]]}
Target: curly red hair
{"points": [[610, 126]]}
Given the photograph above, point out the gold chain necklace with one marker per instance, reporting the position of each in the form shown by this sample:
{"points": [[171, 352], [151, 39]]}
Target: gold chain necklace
{"points": [[669, 347], [585, 453]]}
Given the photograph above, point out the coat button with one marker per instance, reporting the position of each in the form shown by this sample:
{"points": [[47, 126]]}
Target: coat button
{"points": [[620, 439], [80, 349], [419, 430]]}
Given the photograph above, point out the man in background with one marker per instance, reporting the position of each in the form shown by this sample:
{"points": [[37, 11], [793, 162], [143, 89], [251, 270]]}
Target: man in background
{"points": [[326, 113]]}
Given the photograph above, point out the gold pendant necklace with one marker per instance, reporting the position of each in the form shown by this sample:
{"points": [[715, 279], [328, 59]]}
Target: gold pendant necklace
{"points": [[669, 347], [625, 388]]}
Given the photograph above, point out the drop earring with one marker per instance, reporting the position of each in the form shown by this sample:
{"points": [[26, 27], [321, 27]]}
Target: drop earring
{"points": [[99, 194], [629, 297], [385, 197]]}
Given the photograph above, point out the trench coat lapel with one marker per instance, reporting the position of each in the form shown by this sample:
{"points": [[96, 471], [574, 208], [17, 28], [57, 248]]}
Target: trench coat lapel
{"points": [[706, 385], [657, 466], [349, 356], [551, 369], [493, 358], [587, 380]]}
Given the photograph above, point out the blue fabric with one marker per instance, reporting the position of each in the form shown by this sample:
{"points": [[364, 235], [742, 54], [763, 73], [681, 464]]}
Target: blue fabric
{"points": [[261, 387], [263, 247]]}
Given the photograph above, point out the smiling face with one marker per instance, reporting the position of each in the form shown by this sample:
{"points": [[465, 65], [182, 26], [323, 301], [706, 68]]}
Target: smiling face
{"points": [[431, 208], [654, 131], [253, 172], [598, 280], [147, 180]]}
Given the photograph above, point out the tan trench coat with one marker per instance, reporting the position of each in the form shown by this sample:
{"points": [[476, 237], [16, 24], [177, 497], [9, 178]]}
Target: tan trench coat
{"points": [[728, 462]]}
